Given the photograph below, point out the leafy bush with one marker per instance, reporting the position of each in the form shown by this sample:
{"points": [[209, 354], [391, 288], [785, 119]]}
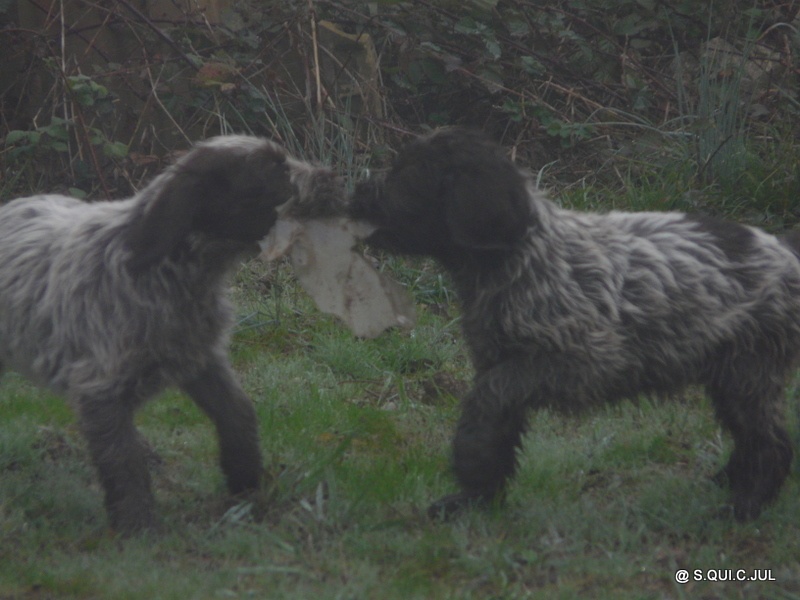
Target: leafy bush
{"points": [[601, 91]]}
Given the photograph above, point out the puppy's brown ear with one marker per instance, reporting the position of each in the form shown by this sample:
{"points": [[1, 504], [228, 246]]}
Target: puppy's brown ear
{"points": [[487, 205], [224, 188], [166, 218]]}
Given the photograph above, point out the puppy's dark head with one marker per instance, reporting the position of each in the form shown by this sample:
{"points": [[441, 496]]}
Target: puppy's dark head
{"points": [[447, 193], [226, 188]]}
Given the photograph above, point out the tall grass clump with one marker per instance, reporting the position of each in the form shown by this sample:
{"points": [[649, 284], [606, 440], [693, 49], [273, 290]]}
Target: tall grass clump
{"points": [[721, 153]]}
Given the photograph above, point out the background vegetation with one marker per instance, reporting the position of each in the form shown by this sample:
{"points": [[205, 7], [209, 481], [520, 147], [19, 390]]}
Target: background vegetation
{"points": [[695, 99], [635, 104]]}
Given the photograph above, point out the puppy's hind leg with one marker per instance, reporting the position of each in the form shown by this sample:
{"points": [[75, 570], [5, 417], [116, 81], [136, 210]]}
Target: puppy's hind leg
{"points": [[762, 453], [121, 461], [487, 438], [219, 394]]}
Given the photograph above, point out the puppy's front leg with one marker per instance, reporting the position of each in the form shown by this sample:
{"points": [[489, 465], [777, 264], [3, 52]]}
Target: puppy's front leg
{"points": [[489, 432], [219, 394], [120, 458]]}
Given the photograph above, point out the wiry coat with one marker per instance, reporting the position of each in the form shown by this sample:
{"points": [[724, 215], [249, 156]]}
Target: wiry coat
{"points": [[109, 302], [567, 309]]}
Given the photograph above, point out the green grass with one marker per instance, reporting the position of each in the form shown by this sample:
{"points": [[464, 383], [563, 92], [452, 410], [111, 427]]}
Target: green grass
{"points": [[355, 436]]}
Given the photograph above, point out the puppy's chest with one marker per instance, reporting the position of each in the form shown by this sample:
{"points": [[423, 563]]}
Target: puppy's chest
{"points": [[495, 323], [187, 321]]}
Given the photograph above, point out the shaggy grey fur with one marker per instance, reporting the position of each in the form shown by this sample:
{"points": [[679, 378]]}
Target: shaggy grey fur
{"points": [[568, 310], [109, 302]]}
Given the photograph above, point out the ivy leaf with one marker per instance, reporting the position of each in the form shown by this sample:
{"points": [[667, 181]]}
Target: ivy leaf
{"points": [[491, 79], [115, 150], [532, 66], [483, 5], [468, 25], [494, 48], [14, 136]]}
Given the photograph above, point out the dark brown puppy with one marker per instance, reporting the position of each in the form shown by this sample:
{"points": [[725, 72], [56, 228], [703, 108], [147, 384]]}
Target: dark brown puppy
{"points": [[568, 310], [109, 302]]}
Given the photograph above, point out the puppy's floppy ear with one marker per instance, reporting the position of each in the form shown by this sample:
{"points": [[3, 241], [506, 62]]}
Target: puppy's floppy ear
{"points": [[166, 217], [227, 188], [487, 202]]}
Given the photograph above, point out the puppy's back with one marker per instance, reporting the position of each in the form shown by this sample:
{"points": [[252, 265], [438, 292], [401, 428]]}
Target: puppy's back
{"points": [[57, 252]]}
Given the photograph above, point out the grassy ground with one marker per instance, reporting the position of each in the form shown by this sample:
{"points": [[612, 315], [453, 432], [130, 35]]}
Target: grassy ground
{"points": [[355, 435]]}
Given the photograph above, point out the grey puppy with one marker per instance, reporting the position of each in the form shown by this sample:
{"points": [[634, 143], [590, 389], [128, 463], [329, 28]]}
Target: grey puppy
{"points": [[109, 302], [568, 310]]}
